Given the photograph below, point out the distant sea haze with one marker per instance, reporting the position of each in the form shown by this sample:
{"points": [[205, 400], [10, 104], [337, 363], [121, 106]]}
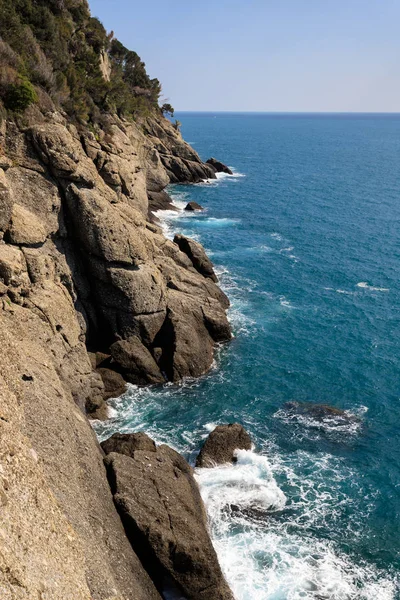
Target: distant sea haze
{"points": [[305, 239]]}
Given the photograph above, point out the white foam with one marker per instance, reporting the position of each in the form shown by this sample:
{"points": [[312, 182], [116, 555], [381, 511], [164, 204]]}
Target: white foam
{"points": [[366, 286], [266, 558], [248, 484]]}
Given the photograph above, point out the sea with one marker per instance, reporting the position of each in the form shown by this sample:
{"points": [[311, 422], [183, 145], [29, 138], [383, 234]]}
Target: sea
{"points": [[305, 238]]}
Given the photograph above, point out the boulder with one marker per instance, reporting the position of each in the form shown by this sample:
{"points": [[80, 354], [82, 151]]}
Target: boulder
{"points": [[218, 166], [197, 255], [163, 514], [192, 206], [160, 201], [114, 383], [128, 443], [220, 446], [25, 228], [136, 362]]}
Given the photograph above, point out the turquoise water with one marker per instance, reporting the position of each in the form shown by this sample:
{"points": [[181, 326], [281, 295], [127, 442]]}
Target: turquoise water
{"points": [[305, 238]]}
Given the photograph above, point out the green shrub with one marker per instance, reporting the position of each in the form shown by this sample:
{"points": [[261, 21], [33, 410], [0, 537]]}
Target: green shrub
{"points": [[20, 95]]}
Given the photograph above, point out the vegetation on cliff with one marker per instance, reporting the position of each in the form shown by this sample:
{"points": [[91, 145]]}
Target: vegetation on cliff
{"points": [[67, 55]]}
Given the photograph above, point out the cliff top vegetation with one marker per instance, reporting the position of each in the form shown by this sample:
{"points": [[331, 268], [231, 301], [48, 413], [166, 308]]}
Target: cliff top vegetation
{"points": [[53, 52]]}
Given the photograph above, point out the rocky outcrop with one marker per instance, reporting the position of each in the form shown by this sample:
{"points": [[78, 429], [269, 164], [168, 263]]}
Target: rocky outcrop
{"points": [[80, 266], [193, 206], [220, 446], [128, 443], [197, 255], [136, 362], [181, 162], [218, 166], [164, 517], [114, 383]]}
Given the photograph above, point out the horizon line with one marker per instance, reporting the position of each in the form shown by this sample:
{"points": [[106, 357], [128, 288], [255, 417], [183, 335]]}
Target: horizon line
{"points": [[292, 112]]}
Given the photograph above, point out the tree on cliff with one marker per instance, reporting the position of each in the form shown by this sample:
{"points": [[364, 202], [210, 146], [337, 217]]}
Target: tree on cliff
{"points": [[167, 109], [56, 46]]}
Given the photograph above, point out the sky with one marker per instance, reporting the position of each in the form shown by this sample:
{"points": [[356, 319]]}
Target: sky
{"points": [[265, 55]]}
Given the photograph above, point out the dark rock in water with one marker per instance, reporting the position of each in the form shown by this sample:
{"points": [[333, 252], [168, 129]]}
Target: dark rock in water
{"points": [[320, 412], [128, 443], [114, 383], [221, 444], [218, 166], [160, 201], [136, 362], [163, 514], [197, 255], [192, 206]]}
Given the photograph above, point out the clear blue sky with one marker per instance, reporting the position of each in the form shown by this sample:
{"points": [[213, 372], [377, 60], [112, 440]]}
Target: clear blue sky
{"points": [[265, 55]]}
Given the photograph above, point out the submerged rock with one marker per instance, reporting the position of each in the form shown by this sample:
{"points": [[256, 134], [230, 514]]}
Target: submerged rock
{"points": [[163, 514], [220, 446], [320, 412], [218, 166], [192, 206]]}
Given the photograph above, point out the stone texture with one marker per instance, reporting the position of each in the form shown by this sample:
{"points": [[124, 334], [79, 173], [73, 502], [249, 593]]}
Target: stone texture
{"points": [[128, 443], [25, 228], [57, 483], [221, 444], [136, 362], [163, 514], [114, 383], [197, 255]]}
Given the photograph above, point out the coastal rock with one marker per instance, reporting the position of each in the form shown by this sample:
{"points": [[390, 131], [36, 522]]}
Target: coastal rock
{"points": [[321, 413], [220, 446], [128, 443], [163, 514], [186, 344], [114, 383], [193, 206], [218, 166], [25, 228], [197, 255], [136, 362], [160, 201]]}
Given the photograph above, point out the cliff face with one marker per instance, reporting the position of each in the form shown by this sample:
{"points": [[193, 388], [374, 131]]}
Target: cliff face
{"points": [[81, 266]]}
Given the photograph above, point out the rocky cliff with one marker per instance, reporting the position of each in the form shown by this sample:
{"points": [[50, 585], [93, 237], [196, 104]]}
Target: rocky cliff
{"points": [[82, 268], [91, 295]]}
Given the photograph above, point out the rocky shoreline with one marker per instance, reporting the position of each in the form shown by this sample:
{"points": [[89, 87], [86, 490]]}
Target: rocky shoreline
{"points": [[92, 295]]}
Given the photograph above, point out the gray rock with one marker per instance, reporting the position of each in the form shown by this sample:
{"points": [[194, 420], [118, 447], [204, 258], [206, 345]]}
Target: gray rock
{"points": [[197, 255], [218, 166], [163, 514], [114, 383], [136, 362], [128, 443], [192, 206], [221, 444]]}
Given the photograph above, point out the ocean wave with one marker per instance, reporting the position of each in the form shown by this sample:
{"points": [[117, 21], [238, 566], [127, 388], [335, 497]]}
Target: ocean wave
{"points": [[364, 285], [268, 558]]}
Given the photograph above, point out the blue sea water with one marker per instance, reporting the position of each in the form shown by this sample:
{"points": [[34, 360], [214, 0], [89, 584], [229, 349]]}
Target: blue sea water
{"points": [[305, 239]]}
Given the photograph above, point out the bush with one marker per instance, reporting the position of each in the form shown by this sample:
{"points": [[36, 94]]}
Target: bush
{"points": [[20, 95]]}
